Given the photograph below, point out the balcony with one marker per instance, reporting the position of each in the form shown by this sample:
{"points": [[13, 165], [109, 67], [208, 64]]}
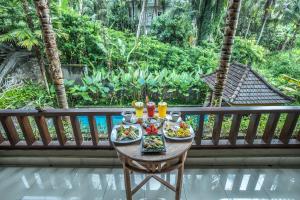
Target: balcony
{"points": [[230, 157], [226, 127]]}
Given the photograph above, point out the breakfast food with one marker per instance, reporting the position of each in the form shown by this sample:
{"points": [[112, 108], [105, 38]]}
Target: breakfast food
{"points": [[153, 143], [151, 129], [130, 133], [174, 130]]}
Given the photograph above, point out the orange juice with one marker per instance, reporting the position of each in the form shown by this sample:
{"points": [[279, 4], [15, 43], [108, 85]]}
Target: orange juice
{"points": [[139, 109], [162, 109]]}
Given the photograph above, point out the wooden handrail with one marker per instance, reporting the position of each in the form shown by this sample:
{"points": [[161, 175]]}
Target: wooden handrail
{"points": [[10, 119], [187, 110]]}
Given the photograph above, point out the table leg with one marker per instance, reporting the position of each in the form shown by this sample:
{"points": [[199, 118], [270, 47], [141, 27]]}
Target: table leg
{"points": [[179, 182], [179, 177], [127, 183]]}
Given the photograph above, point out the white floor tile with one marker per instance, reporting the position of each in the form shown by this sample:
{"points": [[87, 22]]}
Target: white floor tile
{"points": [[281, 183], [203, 184], [17, 183], [156, 190], [116, 187], [241, 184]]}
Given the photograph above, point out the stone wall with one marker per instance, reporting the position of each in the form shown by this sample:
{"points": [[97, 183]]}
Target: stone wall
{"points": [[26, 69]]}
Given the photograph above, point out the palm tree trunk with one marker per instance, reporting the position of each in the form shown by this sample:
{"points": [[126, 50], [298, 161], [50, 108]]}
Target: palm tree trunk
{"points": [[138, 32], [36, 49], [132, 10], [141, 20], [261, 30], [155, 13], [43, 13], [248, 28], [230, 29], [266, 15], [145, 19]]}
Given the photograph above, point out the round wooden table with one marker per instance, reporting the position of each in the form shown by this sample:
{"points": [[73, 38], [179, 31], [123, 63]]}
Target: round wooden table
{"points": [[151, 164]]}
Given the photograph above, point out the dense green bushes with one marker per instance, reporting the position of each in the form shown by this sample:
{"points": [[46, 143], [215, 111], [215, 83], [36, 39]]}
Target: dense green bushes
{"points": [[87, 42], [160, 70], [247, 52], [121, 88], [174, 26], [32, 95]]}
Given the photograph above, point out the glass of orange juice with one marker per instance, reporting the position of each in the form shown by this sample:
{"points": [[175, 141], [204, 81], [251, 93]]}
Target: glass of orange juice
{"points": [[162, 109], [139, 109]]}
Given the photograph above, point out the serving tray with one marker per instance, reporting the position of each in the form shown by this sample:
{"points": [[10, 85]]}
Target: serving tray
{"points": [[149, 151]]}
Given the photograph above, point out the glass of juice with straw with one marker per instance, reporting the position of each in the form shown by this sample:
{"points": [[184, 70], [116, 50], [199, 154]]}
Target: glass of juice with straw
{"points": [[139, 109], [150, 109], [162, 109]]}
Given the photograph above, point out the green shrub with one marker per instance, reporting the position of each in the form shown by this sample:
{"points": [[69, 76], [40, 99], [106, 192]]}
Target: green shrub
{"points": [[28, 94], [174, 26], [247, 52], [122, 87]]}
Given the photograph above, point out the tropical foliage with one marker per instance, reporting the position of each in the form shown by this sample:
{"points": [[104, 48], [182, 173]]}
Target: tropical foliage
{"points": [[183, 43]]}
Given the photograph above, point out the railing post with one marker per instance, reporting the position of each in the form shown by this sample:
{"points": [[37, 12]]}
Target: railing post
{"points": [[252, 128], [270, 127], [234, 129], [199, 132], [183, 116], [59, 128], [1, 138], [76, 130], [10, 129], [93, 129], [288, 127], [26, 129], [109, 127], [217, 128], [43, 129]]}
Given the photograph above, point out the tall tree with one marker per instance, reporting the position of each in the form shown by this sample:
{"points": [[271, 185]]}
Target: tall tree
{"points": [[43, 13], [292, 14], [35, 48], [267, 13], [204, 15], [208, 14], [138, 31], [229, 33], [252, 8]]}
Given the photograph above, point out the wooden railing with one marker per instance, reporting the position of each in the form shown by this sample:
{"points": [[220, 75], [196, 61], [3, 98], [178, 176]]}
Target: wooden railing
{"points": [[18, 127]]}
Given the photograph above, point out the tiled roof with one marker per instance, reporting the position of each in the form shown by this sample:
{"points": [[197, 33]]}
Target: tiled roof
{"points": [[245, 86]]}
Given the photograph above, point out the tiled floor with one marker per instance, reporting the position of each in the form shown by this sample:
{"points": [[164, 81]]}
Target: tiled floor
{"points": [[107, 184]]}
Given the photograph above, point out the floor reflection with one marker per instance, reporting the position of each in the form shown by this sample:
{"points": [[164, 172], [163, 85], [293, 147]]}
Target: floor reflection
{"points": [[222, 184]]}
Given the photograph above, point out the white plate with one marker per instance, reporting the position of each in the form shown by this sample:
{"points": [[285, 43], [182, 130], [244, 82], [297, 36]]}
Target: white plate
{"points": [[113, 135], [178, 138]]}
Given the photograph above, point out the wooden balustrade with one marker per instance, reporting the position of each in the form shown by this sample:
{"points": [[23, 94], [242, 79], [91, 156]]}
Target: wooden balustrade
{"points": [[209, 124]]}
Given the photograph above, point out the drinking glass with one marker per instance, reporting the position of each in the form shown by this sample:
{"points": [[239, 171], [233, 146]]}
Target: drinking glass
{"points": [[150, 109], [139, 109], [162, 109]]}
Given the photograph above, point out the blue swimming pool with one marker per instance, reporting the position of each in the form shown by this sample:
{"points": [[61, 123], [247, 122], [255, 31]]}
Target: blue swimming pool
{"points": [[117, 119], [100, 122]]}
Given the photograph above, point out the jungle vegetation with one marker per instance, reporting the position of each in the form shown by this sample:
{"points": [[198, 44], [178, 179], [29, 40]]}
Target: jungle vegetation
{"points": [[128, 58]]}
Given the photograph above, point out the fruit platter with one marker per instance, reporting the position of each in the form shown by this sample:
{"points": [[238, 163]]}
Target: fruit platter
{"points": [[147, 122], [124, 134], [152, 129], [178, 131], [153, 144]]}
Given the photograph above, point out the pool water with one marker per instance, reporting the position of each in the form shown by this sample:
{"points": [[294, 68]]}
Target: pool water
{"points": [[117, 119], [100, 123]]}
